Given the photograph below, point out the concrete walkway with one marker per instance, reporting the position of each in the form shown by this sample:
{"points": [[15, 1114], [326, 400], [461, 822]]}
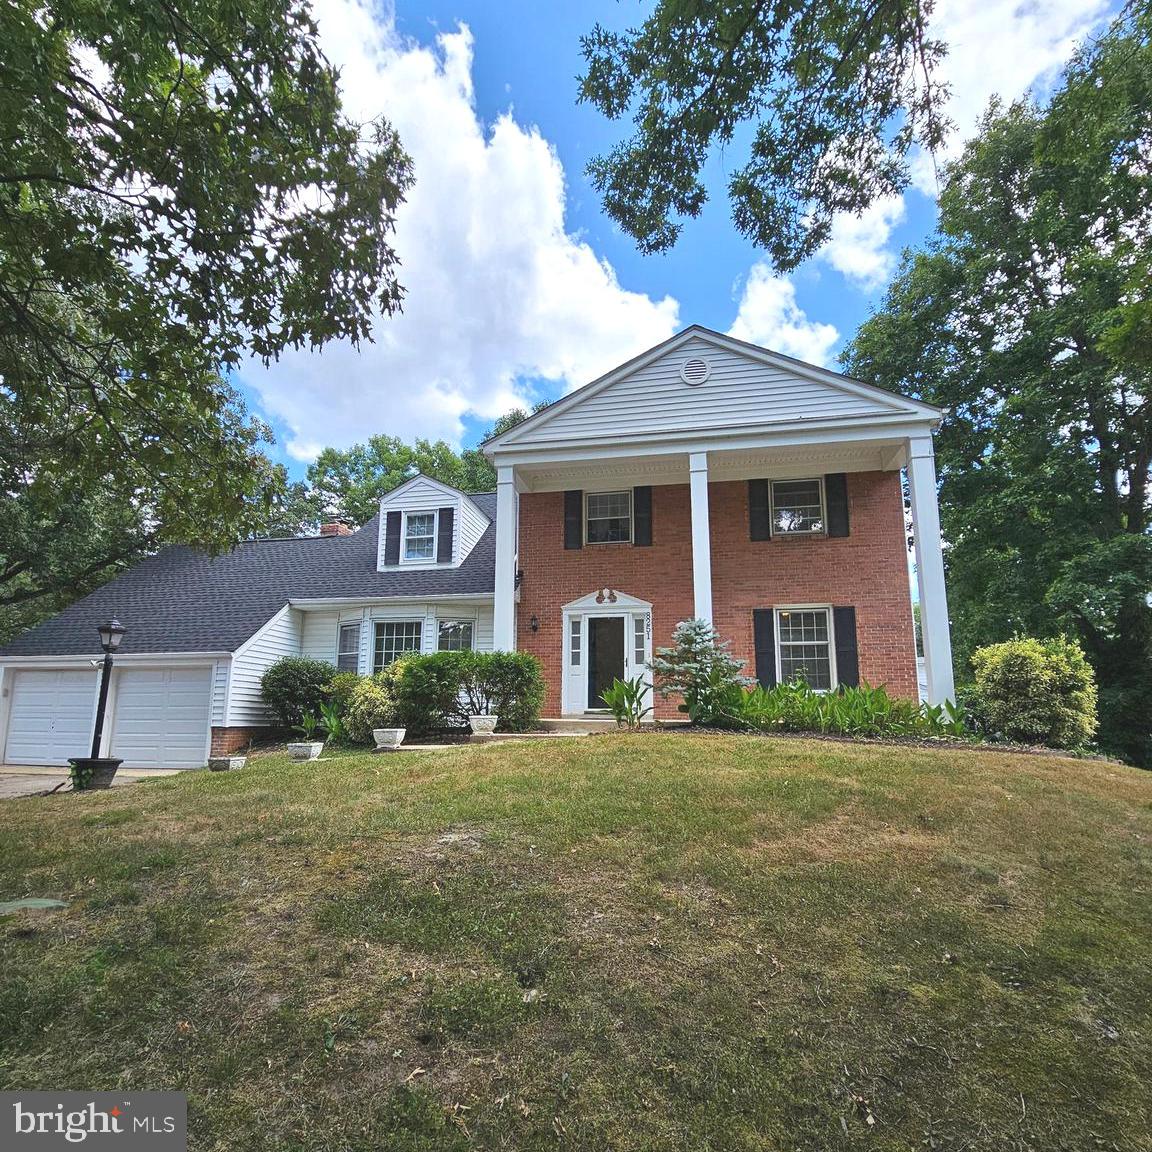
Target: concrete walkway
{"points": [[30, 780]]}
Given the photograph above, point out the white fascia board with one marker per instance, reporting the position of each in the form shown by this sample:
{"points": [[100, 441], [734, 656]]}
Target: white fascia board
{"points": [[132, 658], [794, 433], [319, 603]]}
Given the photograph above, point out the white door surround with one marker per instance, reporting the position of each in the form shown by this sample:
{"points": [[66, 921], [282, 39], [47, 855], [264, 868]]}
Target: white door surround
{"points": [[604, 603]]}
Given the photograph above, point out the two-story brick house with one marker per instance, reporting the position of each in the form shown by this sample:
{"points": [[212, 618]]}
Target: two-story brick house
{"points": [[706, 478]]}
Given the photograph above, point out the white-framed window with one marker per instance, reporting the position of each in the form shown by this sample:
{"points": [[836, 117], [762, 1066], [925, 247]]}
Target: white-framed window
{"points": [[574, 634], [393, 638], [639, 647], [608, 517], [804, 649], [797, 507], [454, 635], [348, 647], [419, 540]]}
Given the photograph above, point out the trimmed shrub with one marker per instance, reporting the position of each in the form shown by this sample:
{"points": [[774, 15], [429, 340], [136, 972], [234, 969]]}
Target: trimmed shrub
{"points": [[295, 687], [509, 684], [340, 689], [699, 668], [370, 705], [1034, 692]]}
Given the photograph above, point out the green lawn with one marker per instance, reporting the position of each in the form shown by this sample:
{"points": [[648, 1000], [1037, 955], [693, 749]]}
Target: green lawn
{"points": [[645, 942]]}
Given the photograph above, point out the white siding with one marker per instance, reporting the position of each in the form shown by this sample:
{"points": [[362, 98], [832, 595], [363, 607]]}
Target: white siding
{"points": [[278, 638], [318, 635], [220, 672], [471, 525], [740, 391]]}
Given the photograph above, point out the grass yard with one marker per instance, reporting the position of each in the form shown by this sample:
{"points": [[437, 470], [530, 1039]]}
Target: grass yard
{"points": [[623, 942]]}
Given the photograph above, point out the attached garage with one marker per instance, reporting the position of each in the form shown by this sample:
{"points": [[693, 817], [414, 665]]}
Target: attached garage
{"points": [[50, 715], [158, 716]]}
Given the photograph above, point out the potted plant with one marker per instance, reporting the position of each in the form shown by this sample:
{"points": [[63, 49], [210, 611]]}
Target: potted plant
{"points": [[388, 739], [91, 772], [309, 748]]}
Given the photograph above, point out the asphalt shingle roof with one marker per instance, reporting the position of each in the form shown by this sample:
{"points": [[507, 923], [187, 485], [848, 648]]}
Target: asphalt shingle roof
{"points": [[182, 600]]}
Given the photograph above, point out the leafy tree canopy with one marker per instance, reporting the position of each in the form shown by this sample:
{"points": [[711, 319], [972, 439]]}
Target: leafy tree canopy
{"points": [[179, 192], [832, 94], [1027, 317]]}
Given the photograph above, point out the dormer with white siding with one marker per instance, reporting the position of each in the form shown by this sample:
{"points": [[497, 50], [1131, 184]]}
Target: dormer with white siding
{"points": [[426, 525]]}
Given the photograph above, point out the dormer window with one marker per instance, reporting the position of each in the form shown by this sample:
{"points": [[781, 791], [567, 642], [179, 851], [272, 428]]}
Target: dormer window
{"points": [[420, 536]]}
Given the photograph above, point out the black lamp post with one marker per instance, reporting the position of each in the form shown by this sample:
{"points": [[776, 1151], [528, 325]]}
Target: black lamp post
{"points": [[110, 636], [96, 771]]}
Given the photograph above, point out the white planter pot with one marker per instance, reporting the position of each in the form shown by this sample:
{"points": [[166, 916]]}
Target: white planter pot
{"points": [[483, 725], [388, 739], [308, 751], [227, 763]]}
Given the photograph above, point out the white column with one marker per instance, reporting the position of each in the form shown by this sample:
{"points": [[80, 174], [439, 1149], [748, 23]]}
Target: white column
{"points": [[701, 537], [930, 571], [504, 613]]}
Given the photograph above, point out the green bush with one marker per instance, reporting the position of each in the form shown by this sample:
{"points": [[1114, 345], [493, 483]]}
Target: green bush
{"points": [[699, 669], [441, 689], [340, 689], [370, 705], [1034, 692], [295, 687]]}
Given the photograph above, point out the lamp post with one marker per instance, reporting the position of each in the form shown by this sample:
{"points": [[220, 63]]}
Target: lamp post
{"points": [[110, 636], [96, 771]]}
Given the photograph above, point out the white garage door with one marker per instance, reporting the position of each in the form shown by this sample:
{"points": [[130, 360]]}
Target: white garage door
{"points": [[162, 717], [50, 715]]}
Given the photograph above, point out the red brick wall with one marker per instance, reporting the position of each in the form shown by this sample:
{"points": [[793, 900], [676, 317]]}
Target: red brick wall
{"points": [[230, 741], [867, 569]]}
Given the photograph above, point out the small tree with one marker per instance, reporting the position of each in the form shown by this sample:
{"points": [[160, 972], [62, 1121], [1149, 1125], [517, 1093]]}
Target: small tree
{"points": [[699, 668], [1035, 692]]}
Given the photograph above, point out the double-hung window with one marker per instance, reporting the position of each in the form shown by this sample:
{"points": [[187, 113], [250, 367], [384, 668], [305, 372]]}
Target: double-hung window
{"points": [[797, 507], [804, 643], [348, 648], [393, 639], [608, 517], [420, 536], [455, 636]]}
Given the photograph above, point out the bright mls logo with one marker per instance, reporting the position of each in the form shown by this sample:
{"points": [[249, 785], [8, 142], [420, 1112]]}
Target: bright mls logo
{"points": [[125, 1121]]}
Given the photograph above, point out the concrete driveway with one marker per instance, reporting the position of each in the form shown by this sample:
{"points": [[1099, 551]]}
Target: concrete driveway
{"points": [[26, 780]]}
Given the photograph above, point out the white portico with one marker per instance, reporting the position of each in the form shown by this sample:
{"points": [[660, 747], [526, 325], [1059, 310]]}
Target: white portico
{"points": [[703, 408]]}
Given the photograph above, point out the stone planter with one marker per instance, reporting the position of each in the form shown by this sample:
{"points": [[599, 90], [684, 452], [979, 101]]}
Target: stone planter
{"points": [[90, 773], [227, 763], [388, 739], [309, 750], [483, 725]]}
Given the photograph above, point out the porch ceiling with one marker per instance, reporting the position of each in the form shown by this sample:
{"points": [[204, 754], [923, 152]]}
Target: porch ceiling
{"points": [[777, 463]]}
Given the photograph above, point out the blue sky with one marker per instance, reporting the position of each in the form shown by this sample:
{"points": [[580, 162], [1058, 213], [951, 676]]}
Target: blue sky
{"points": [[520, 288]]}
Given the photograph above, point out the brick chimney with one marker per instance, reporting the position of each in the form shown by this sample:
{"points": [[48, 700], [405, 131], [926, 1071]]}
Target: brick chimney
{"points": [[335, 528]]}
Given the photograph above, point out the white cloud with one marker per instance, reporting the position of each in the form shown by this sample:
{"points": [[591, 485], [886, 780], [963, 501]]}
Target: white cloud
{"points": [[858, 245], [770, 316], [499, 292]]}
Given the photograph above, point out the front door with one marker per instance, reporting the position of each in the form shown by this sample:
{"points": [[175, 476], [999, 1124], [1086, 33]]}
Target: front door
{"points": [[605, 656]]}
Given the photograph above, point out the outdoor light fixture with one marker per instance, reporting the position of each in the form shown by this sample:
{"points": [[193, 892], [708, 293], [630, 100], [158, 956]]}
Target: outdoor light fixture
{"points": [[111, 634], [96, 771], [534, 623]]}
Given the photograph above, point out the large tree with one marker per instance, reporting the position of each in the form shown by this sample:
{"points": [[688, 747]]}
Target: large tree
{"points": [[827, 99], [1027, 317], [180, 191]]}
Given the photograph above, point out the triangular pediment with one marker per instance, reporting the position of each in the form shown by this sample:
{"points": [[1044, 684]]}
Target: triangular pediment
{"points": [[701, 381]]}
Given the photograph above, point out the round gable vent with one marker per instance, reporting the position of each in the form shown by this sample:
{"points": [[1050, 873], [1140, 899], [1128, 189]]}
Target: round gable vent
{"points": [[695, 371]]}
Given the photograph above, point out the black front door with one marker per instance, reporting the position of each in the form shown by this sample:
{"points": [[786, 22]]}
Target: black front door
{"points": [[605, 656]]}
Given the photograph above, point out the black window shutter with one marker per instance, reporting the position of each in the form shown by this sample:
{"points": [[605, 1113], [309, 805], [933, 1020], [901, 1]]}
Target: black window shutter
{"points": [[836, 497], [764, 642], [759, 515], [847, 655], [574, 518], [392, 539], [642, 516], [446, 523]]}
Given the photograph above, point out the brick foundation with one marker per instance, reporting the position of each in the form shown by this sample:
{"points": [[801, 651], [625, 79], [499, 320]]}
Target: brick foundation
{"points": [[867, 569], [232, 741]]}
